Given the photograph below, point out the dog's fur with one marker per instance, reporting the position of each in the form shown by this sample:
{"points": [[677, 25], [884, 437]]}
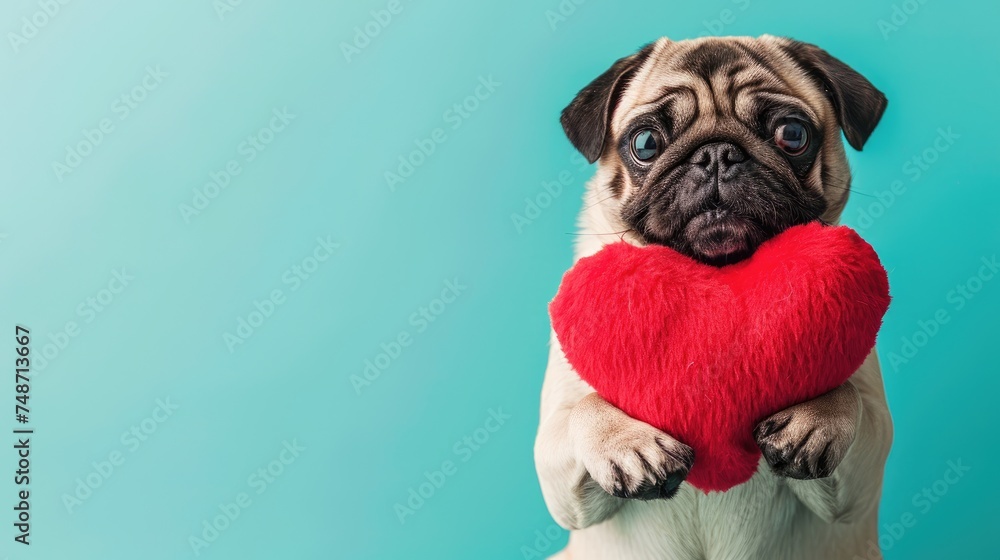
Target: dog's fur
{"points": [[718, 187]]}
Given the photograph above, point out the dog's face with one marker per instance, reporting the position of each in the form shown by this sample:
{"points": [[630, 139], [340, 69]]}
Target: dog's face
{"points": [[712, 146]]}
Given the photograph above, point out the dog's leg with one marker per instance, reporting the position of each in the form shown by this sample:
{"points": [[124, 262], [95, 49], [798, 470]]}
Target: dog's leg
{"points": [[833, 448], [591, 456]]}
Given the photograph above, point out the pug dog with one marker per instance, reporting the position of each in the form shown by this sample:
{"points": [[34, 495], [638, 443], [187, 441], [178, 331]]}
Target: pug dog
{"points": [[712, 146]]}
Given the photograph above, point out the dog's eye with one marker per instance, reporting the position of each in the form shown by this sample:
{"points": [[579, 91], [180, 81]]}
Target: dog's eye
{"points": [[792, 137], [645, 144]]}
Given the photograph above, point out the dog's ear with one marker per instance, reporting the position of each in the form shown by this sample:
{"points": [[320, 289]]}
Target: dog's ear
{"points": [[588, 116], [858, 103]]}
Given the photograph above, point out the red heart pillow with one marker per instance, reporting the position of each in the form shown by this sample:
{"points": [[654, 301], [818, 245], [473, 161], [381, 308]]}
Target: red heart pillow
{"points": [[705, 353]]}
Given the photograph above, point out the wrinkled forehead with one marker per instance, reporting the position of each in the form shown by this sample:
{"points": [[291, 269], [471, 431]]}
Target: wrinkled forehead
{"points": [[714, 78]]}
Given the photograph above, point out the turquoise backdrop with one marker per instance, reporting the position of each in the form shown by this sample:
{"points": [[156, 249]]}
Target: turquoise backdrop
{"points": [[256, 332]]}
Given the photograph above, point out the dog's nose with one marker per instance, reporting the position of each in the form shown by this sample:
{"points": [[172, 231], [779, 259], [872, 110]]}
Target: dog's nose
{"points": [[718, 157]]}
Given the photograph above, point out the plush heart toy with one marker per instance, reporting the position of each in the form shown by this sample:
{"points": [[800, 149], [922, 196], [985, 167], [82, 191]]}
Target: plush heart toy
{"points": [[705, 353]]}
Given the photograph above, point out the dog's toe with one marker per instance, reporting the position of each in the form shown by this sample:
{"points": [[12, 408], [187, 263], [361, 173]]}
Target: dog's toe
{"points": [[796, 447], [810, 439], [641, 465]]}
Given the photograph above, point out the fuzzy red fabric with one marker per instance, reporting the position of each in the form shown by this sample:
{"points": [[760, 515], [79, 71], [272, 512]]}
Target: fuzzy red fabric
{"points": [[706, 353]]}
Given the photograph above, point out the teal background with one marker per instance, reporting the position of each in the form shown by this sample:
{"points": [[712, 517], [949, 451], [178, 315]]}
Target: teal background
{"points": [[323, 175]]}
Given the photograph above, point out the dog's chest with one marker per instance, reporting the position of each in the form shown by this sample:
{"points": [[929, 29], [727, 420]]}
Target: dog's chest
{"points": [[754, 518]]}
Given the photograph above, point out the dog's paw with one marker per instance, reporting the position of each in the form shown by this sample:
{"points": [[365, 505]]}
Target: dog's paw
{"points": [[628, 458], [639, 464], [809, 440]]}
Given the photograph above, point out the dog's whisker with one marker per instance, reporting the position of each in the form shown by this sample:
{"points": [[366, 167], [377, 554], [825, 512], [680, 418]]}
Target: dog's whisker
{"points": [[850, 190], [602, 201], [608, 233]]}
